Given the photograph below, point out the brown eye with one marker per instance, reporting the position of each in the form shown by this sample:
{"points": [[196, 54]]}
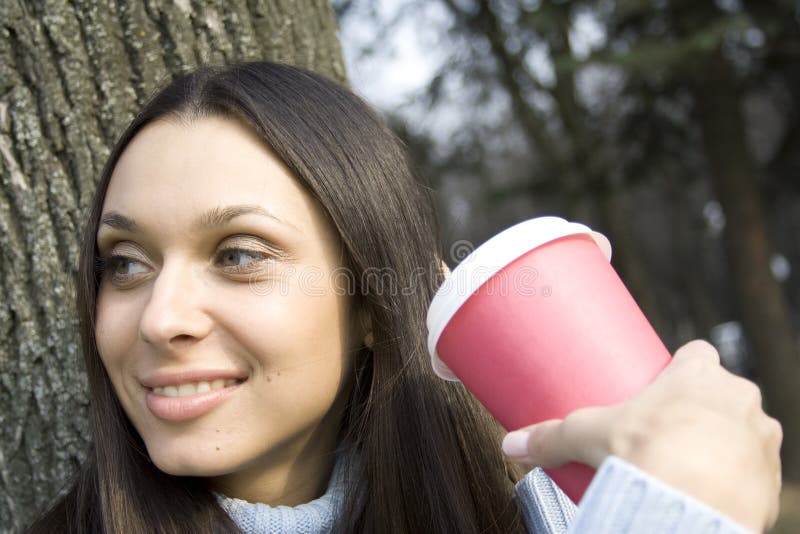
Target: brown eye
{"points": [[240, 259], [121, 270], [122, 266]]}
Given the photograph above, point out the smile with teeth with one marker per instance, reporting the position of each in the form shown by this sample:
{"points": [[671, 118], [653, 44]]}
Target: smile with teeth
{"points": [[193, 388]]}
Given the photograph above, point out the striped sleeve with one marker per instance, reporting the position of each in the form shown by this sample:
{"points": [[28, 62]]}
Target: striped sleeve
{"points": [[621, 499]]}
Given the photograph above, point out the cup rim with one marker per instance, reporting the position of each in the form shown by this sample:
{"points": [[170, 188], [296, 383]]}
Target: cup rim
{"points": [[486, 261]]}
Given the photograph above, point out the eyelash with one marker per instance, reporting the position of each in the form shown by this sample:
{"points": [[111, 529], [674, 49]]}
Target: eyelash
{"points": [[106, 266]]}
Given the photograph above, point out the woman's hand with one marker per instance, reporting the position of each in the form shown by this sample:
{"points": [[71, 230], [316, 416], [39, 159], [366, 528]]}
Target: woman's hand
{"points": [[697, 427]]}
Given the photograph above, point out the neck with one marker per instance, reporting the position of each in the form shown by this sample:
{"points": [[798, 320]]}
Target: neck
{"points": [[294, 473], [314, 517], [294, 480]]}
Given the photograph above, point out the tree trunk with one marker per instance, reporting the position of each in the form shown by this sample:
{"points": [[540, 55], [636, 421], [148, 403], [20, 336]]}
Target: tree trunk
{"points": [[616, 215], [72, 74], [763, 306]]}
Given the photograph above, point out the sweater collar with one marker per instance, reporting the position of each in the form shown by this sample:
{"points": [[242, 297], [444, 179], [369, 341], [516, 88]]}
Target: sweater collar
{"points": [[313, 517]]}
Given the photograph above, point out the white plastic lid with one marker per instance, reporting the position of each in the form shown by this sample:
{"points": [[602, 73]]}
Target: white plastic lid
{"points": [[484, 262]]}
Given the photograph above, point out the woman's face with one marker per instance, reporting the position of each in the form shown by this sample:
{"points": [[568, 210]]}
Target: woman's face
{"points": [[218, 320]]}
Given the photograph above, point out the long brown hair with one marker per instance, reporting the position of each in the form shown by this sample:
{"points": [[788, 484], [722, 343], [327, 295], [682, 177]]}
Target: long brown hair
{"points": [[428, 454]]}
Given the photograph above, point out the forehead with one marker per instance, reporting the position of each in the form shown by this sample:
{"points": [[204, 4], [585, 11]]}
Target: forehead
{"points": [[177, 169]]}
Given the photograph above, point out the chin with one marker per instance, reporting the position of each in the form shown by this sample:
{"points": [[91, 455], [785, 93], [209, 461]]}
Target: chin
{"points": [[189, 467], [189, 463]]}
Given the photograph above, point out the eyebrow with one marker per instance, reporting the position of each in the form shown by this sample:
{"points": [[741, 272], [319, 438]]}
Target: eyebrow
{"points": [[211, 219]]}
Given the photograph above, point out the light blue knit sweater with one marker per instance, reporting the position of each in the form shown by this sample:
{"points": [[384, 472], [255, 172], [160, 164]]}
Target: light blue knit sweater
{"points": [[621, 499]]}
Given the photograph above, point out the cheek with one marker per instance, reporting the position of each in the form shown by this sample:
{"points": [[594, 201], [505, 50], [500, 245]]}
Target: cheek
{"points": [[104, 329], [115, 330], [299, 322]]}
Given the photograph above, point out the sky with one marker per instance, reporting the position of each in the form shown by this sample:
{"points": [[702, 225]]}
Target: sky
{"points": [[413, 46], [408, 55]]}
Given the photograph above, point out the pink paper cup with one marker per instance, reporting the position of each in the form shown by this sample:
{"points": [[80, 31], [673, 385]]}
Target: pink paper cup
{"points": [[536, 324]]}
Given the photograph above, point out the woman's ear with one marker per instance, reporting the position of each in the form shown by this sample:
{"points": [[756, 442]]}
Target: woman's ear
{"points": [[365, 327], [369, 340]]}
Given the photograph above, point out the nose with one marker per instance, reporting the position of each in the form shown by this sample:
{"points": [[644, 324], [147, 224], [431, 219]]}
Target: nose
{"points": [[174, 315]]}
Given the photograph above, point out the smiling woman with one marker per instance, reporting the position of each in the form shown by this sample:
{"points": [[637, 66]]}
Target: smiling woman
{"points": [[223, 356], [235, 387], [183, 337]]}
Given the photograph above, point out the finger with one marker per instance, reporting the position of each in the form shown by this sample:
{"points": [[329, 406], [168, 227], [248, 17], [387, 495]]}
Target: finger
{"points": [[775, 508], [775, 502], [583, 436], [748, 398], [774, 430], [697, 350], [772, 434]]}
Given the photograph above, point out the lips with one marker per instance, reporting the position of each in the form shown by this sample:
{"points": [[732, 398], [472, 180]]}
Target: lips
{"points": [[187, 395], [189, 376], [193, 388]]}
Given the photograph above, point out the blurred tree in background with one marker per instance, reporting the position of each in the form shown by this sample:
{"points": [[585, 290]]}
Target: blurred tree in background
{"points": [[673, 126]]}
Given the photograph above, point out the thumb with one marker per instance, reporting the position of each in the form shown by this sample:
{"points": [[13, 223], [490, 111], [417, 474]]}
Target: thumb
{"points": [[583, 436]]}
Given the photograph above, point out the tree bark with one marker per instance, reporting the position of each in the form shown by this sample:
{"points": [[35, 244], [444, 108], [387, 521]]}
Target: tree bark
{"points": [[762, 303], [72, 75]]}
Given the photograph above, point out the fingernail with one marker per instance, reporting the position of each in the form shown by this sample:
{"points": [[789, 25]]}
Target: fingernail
{"points": [[516, 444]]}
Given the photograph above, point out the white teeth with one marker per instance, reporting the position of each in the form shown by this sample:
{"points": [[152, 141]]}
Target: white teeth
{"points": [[187, 389], [193, 388], [219, 383]]}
